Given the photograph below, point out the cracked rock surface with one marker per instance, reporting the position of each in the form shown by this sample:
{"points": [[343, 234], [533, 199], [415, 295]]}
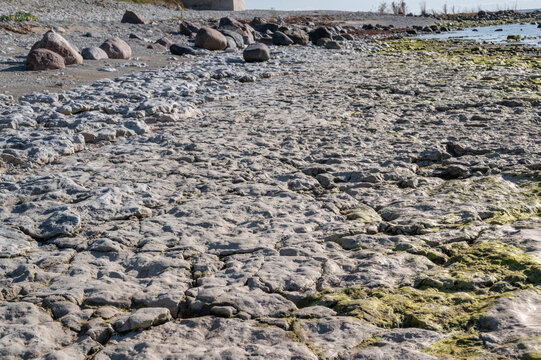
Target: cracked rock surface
{"points": [[361, 204]]}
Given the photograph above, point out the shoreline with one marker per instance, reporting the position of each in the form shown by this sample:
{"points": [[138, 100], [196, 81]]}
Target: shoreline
{"points": [[381, 200]]}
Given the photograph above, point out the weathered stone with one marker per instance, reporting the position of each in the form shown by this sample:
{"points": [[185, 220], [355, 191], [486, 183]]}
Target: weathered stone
{"points": [[165, 42], [332, 45], [27, 331], [238, 40], [131, 17], [256, 53], [142, 319], [204, 338], [116, 48], [187, 28], [319, 33], [210, 39], [94, 53], [56, 43], [279, 38], [177, 49], [43, 59], [299, 36]]}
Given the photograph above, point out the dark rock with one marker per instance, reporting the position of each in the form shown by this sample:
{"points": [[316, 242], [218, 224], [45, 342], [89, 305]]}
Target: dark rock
{"points": [[131, 17], [333, 45], [238, 39], [279, 38], [187, 28], [323, 41], [319, 33], [165, 42], [266, 27], [299, 36], [229, 22], [156, 47], [256, 21], [256, 53], [135, 36], [347, 37], [181, 50]]}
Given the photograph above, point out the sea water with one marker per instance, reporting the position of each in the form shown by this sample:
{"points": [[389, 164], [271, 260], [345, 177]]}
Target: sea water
{"points": [[529, 34]]}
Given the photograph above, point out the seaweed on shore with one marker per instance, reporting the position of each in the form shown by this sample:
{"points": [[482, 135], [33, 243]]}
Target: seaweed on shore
{"points": [[473, 53]]}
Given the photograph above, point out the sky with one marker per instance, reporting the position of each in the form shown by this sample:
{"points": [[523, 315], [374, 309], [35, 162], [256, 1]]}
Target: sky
{"points": [[371, 5]]}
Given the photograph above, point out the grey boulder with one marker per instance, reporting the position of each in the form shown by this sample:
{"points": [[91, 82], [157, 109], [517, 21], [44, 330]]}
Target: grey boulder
{"points": [[279, 38], [319, 33], [256, 53], [237, 38], [94, 53]]}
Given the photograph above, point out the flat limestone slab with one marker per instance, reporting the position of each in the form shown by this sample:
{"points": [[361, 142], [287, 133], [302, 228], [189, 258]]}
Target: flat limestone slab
{"points": [[226, 5]]}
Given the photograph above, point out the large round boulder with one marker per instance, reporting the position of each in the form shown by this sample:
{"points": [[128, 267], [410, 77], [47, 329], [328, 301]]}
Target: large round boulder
{"points": [[210, 39], [43, 59], [56, 43], [256, 53], [116, 48]]}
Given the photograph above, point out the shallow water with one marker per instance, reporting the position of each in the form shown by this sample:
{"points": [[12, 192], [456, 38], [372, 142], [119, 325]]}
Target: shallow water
{"points": [[529, 34]]}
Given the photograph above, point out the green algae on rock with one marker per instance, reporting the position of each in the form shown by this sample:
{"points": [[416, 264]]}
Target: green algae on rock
{"points": [[468, 52], [451, 299]]}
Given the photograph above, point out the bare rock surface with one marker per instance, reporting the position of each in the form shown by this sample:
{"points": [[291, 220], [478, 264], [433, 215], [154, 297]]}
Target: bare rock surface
{"points": [[203, 338], [362, 203]]}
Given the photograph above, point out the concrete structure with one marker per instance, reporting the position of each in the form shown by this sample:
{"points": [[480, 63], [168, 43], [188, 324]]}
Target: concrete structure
{"points": [[230, 5]]}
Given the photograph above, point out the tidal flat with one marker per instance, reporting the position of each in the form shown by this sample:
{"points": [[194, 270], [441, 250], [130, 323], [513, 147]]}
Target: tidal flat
{"points": [[380, 200]]}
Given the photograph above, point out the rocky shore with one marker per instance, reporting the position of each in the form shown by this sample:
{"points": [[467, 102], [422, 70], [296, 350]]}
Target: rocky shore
{"points": [[377, 200]]}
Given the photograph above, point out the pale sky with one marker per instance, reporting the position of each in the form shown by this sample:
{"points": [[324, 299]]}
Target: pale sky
{"points": [[368, 5]]}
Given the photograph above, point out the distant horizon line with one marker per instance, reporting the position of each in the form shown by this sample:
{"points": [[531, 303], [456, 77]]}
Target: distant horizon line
{"points": [[374, 11]]}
